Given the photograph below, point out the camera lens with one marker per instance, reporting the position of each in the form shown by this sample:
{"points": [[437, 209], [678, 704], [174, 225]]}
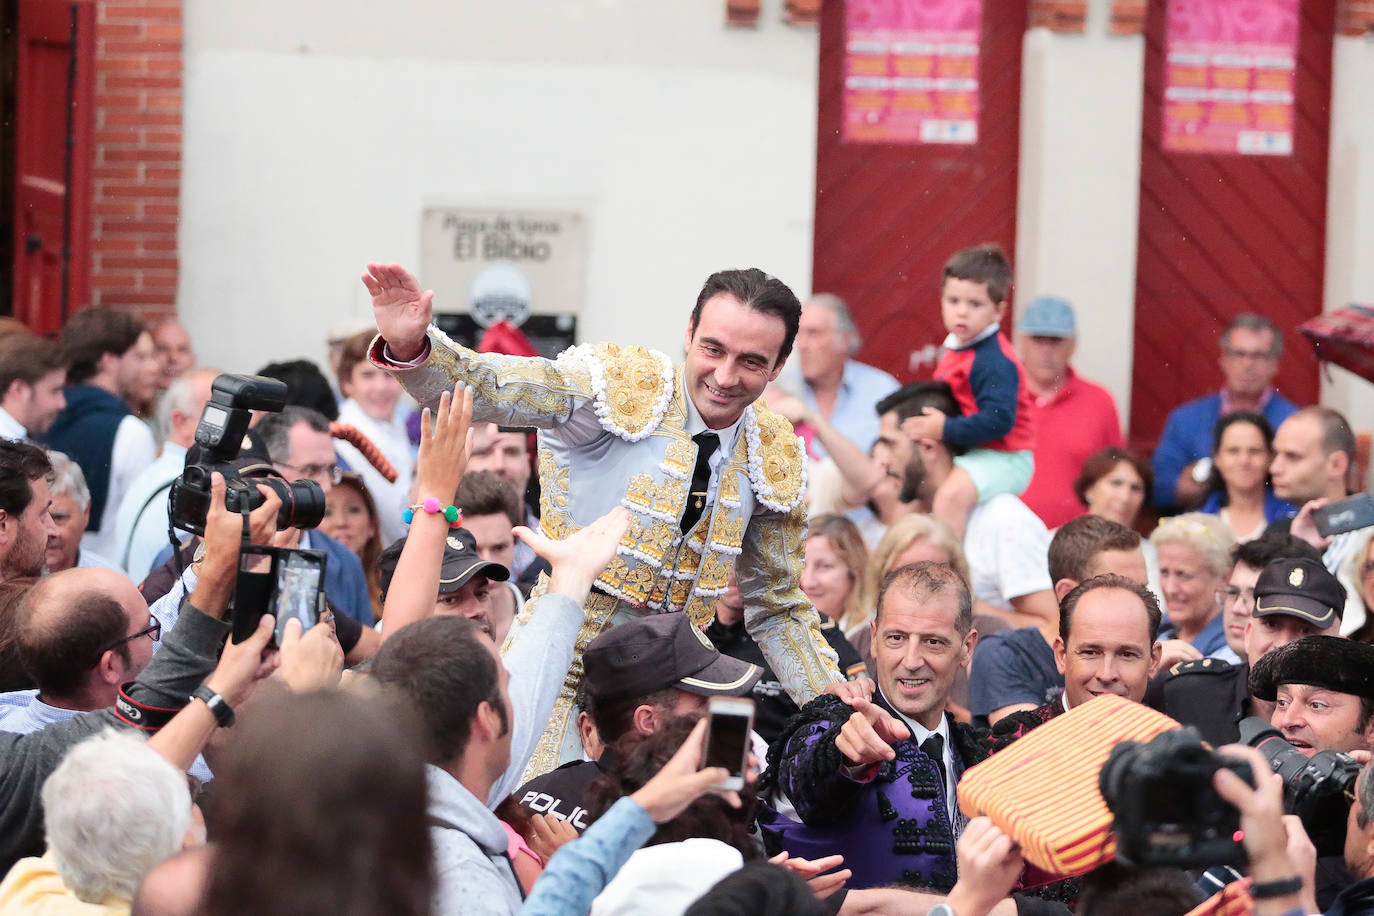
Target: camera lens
{"points": [[302, 502]]}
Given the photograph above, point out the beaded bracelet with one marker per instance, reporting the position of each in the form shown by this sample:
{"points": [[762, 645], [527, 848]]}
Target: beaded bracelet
{"points": [[432, 506]]}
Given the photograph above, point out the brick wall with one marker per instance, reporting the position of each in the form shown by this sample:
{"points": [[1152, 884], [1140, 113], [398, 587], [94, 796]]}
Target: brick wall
{"points": [[1355, 17], [137, 171]]}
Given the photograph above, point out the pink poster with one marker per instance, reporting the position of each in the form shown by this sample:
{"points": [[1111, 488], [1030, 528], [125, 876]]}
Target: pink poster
{"points": [[1228, 76], [911, 71]]}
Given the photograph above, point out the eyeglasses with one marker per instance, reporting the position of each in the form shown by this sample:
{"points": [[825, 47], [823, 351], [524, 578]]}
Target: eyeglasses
{"points": [[1256, 355], [1229, 594], [153, 630], [316, 471]]}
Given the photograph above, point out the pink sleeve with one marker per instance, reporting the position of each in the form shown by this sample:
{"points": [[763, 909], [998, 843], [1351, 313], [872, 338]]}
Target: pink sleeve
{"points": [[518, 845]]}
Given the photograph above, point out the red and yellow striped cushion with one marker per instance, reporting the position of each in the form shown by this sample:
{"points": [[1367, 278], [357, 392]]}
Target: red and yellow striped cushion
{"points": [[1042, 790]]}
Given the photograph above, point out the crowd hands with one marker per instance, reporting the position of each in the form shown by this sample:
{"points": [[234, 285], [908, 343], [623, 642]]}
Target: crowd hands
{"points": [[968, 620]]}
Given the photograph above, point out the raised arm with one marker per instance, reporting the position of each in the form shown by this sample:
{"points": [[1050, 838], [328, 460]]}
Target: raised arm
{"points": [[444, 448], [511, 390]]}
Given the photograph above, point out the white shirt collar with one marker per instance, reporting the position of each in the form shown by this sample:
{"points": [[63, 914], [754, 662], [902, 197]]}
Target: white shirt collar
{"points": [[952, 342], [695, 424], [10, 428]]}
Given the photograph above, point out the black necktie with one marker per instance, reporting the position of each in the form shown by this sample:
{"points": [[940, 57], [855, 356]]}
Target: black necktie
{"points": [[706, 444], [934, 748]]}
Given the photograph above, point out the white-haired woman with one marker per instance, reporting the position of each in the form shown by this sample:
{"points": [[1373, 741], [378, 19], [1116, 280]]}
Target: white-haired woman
{"points": [[1194, 560]]}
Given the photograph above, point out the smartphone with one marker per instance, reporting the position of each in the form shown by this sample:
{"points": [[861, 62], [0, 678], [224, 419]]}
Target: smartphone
{"points": [[727, 738], [1343, 515], [278, 581]]}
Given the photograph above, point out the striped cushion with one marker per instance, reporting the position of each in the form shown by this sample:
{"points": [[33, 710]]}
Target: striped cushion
{"points": [[1042, 790]]}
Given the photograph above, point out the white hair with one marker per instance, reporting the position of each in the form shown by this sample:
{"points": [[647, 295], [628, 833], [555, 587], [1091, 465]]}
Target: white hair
{"points": [[844, 321], [113, 809], [68, 479]]}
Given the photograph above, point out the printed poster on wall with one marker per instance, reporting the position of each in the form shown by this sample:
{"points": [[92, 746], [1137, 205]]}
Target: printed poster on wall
{"points": [[911, 71], [1229, 75]]}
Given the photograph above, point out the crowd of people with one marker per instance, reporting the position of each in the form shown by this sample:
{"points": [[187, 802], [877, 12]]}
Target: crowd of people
{"points": [[538, 573]]}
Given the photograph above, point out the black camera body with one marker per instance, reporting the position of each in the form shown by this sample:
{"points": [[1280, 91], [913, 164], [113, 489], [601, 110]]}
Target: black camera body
{"points": [[219, 439], [1167, 813], [1317, 789]]}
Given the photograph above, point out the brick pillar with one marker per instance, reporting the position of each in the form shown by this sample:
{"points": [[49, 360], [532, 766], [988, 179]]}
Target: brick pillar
{"points": [[1355, 17], [137, 172]]}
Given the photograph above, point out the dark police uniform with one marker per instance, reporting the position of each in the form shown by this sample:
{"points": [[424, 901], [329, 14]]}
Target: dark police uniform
{"points": [[1206, 693]]}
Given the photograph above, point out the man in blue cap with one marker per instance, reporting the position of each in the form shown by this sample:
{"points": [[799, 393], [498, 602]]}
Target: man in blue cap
{"points": [[1078, 416]]}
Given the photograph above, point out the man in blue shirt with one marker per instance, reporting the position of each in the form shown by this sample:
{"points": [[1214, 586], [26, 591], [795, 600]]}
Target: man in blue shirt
{"points": [[1250, 350], [841, 389]]}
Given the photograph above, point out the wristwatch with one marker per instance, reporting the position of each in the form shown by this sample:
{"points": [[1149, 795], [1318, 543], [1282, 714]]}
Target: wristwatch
{"points": [[942, 909], [223, 712]]}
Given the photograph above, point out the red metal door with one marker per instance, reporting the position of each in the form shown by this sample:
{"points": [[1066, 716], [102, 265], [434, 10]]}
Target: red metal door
{"points": [[55, 83], [1226, 234], [888, 216]]}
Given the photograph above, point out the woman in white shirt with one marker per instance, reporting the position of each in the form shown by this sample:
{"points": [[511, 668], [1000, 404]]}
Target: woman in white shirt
{"points": [[371, 397]]}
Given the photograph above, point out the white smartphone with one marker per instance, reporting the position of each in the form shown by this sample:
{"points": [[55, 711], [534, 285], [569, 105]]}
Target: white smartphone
{"points": [[727, 738]]}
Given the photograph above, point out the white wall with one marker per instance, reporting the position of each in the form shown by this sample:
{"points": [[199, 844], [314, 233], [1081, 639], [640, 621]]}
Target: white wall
{"points": [[1350, 213], [1079, 185], [316, 131]]}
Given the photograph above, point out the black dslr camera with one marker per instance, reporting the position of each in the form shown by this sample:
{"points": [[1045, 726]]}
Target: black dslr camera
{"points": [[1167, 812], [1317, 789], [219, 438]]}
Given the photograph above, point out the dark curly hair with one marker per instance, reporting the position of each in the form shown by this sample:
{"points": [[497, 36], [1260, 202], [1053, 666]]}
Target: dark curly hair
{"points": [[639, 757]]}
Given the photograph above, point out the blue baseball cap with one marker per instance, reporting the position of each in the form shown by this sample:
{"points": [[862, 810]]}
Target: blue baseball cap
{"points": [[1049, 316]]}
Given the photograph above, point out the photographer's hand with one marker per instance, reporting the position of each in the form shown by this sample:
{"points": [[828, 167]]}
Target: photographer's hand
{"points": [[578, 559], [240, 668], [223, 536], [310, 662], [402, 310], [1261, 822], [989, 864]]}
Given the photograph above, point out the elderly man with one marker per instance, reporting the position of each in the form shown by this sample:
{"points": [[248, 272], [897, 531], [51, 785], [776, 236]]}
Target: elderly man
{"points": [[876, 782], [175, 354], [71, 509], [25, 509], [114, 810], [141, 523], [33, 372], [1080, 414], [1250, 350], [1358, 899], [1293, 598], [838, 387], [713, 479]]}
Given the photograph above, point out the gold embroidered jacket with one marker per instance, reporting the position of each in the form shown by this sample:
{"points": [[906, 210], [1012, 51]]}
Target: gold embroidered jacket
{"points": [[612, 430]]}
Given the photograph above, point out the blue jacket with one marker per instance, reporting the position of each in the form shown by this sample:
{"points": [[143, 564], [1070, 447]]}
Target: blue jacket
{"points": [[1274, 508], [1188, 436], [85, 431]]}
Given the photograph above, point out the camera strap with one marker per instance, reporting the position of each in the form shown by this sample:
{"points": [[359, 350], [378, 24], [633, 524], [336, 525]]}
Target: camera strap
{"points": [[141, 715]]}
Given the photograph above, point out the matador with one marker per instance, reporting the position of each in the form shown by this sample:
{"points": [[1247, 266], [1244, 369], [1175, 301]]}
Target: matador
{"points": [[712, 478]]}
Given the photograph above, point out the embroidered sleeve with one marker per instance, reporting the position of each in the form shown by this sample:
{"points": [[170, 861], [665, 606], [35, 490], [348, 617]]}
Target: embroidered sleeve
{"points": [[808, 766], [777, 615], [511, 390]]}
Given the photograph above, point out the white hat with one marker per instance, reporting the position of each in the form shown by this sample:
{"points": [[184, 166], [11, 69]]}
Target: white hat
{"points": [[666, 879]]}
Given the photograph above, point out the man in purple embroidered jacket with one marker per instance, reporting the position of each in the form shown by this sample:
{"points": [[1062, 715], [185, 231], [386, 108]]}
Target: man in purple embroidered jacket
{"points": [[876, 781], [712, 478]]}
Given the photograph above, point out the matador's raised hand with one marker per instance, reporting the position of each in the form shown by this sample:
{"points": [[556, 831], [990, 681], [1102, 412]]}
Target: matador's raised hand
{"points": [[403, 311]]}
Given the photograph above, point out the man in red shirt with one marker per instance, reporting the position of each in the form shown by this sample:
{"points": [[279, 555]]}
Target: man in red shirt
{"points": [[1075, 417]]}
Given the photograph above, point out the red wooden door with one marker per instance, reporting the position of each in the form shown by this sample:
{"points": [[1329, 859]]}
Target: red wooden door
{"points": [[55, 83], [1222, 234], [889, 215]]}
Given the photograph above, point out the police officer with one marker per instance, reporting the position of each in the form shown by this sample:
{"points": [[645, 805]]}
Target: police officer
{"points": [[1293, 598]]}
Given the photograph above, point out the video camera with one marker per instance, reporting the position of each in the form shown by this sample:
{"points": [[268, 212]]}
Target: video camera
{"points": [[1317, 789], [219, 438], [1167, 812]]}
